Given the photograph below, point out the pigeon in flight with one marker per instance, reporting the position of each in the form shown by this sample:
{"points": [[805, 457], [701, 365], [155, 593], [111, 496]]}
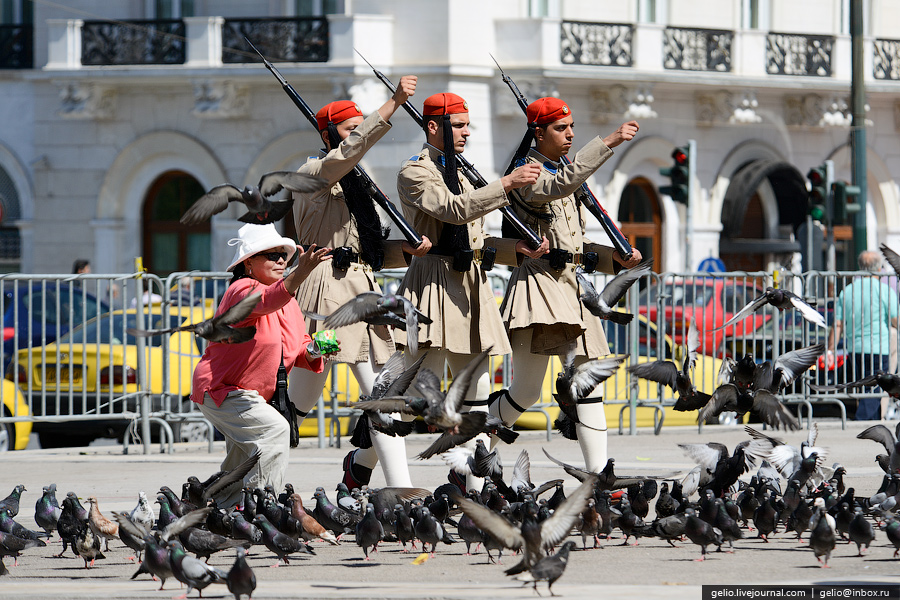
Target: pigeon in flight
{"points": [[574, 383], [379, 309], [218, 328], [260, 210], [889, 462], [782, 300], [601, 304], [667, 373], [889, 382], [765, 404], [534, 538]]}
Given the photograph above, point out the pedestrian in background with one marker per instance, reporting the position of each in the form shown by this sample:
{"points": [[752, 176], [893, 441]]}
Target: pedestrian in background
{"points": [[863, 315]]}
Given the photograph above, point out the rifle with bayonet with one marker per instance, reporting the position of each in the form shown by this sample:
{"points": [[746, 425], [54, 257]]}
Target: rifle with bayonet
{"points": [[468, 169], [583, 194], [367, 182]]}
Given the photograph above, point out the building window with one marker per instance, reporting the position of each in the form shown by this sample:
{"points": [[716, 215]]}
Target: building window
{"points": [[16, 12], [318, 8], [647, 11], [755, 14], [539, 9], [172, 9], [170, 246]]}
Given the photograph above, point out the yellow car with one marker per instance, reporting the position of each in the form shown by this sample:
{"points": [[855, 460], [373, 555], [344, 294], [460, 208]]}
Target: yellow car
{"points": [[89, 377], [617, 390], [13, 435]]}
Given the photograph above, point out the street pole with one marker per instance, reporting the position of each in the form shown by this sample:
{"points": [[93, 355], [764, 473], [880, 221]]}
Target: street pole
{"points": [[829, 216], [693, 190], [858, 124]]}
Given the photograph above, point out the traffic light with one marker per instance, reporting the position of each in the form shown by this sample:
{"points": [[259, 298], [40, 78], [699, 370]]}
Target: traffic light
{"points": [[818, 192], [679, 189], [845, 201]]}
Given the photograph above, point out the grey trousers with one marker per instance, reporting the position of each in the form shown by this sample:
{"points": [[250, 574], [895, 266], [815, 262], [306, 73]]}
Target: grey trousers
{"points": [[250, 424]]}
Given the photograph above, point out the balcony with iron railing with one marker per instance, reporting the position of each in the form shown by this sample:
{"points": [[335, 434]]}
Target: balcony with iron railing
{"points": [[552, 44], [216, 41], [549, 44]]}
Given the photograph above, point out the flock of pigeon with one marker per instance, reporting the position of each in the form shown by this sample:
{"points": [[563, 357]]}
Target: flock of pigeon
{"points": [[763, 487]]}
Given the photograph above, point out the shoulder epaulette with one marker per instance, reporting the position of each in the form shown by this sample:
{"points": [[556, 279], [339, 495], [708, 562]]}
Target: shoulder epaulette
{"points": [[414, 157]]}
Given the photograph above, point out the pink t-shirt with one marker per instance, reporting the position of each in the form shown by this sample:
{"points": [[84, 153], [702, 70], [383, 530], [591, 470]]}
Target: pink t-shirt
{"points": [[253, 365]]}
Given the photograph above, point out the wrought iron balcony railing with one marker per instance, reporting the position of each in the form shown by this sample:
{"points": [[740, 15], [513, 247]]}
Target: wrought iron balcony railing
{"points": [[133, 43], [604, 44], [16, 46], [799, 54], [688, 49], [280, 40], [886, 60]]}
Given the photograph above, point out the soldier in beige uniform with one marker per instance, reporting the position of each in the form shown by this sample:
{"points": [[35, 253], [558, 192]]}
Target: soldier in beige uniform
{"points": [[541, 309], [449, 284], [346, 220]]}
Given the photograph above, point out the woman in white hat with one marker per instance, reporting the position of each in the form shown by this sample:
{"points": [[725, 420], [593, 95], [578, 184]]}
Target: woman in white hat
{"points": [[233, 383]]}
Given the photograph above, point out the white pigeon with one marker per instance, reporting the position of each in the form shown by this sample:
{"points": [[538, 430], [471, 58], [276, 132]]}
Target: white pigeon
{"points": [[143, 513]]}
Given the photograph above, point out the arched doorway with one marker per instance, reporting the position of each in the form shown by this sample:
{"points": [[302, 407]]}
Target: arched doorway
{"points": [[10, 212], [765, 203], [170, 246], [641, 219]]}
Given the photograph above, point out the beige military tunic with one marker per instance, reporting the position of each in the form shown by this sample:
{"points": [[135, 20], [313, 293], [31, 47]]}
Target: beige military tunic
{"points": [[540, 297], [464, 313], [322, 218]]}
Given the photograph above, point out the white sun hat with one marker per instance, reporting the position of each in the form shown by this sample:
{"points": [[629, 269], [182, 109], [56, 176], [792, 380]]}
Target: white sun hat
{"points": [[253, 239]]}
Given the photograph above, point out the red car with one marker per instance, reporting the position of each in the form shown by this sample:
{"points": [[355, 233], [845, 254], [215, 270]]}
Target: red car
{"points": [[708, 302]]}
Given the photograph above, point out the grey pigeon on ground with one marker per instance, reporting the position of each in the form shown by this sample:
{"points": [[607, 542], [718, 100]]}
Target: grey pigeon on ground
{"points": [[11, 502], [404, 530], [331, 516], [192, 572], [430, 531], [9, 525], [700, 532], [47, 510], [217, 329], [87, 545], [260, 210], [549, 568], [860, 531], [369, 531], [282, 545], [601, 304], [69, 522], [241, 580], [822, 538]]}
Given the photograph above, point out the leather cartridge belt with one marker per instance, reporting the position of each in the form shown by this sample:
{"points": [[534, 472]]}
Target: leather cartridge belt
{"points": [[559, 258], [462, 259], [344, 256]]}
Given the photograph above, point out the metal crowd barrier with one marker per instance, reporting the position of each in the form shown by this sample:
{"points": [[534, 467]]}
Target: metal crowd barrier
{"points": [[67, 392]]}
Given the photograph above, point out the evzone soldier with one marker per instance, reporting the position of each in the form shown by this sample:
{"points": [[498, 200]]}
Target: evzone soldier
{"points": [[541, 309], [343, 217], [450, 283]]}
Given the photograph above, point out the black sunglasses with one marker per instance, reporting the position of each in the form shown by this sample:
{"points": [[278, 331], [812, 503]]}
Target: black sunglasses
{"points": [[274, 256]]}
